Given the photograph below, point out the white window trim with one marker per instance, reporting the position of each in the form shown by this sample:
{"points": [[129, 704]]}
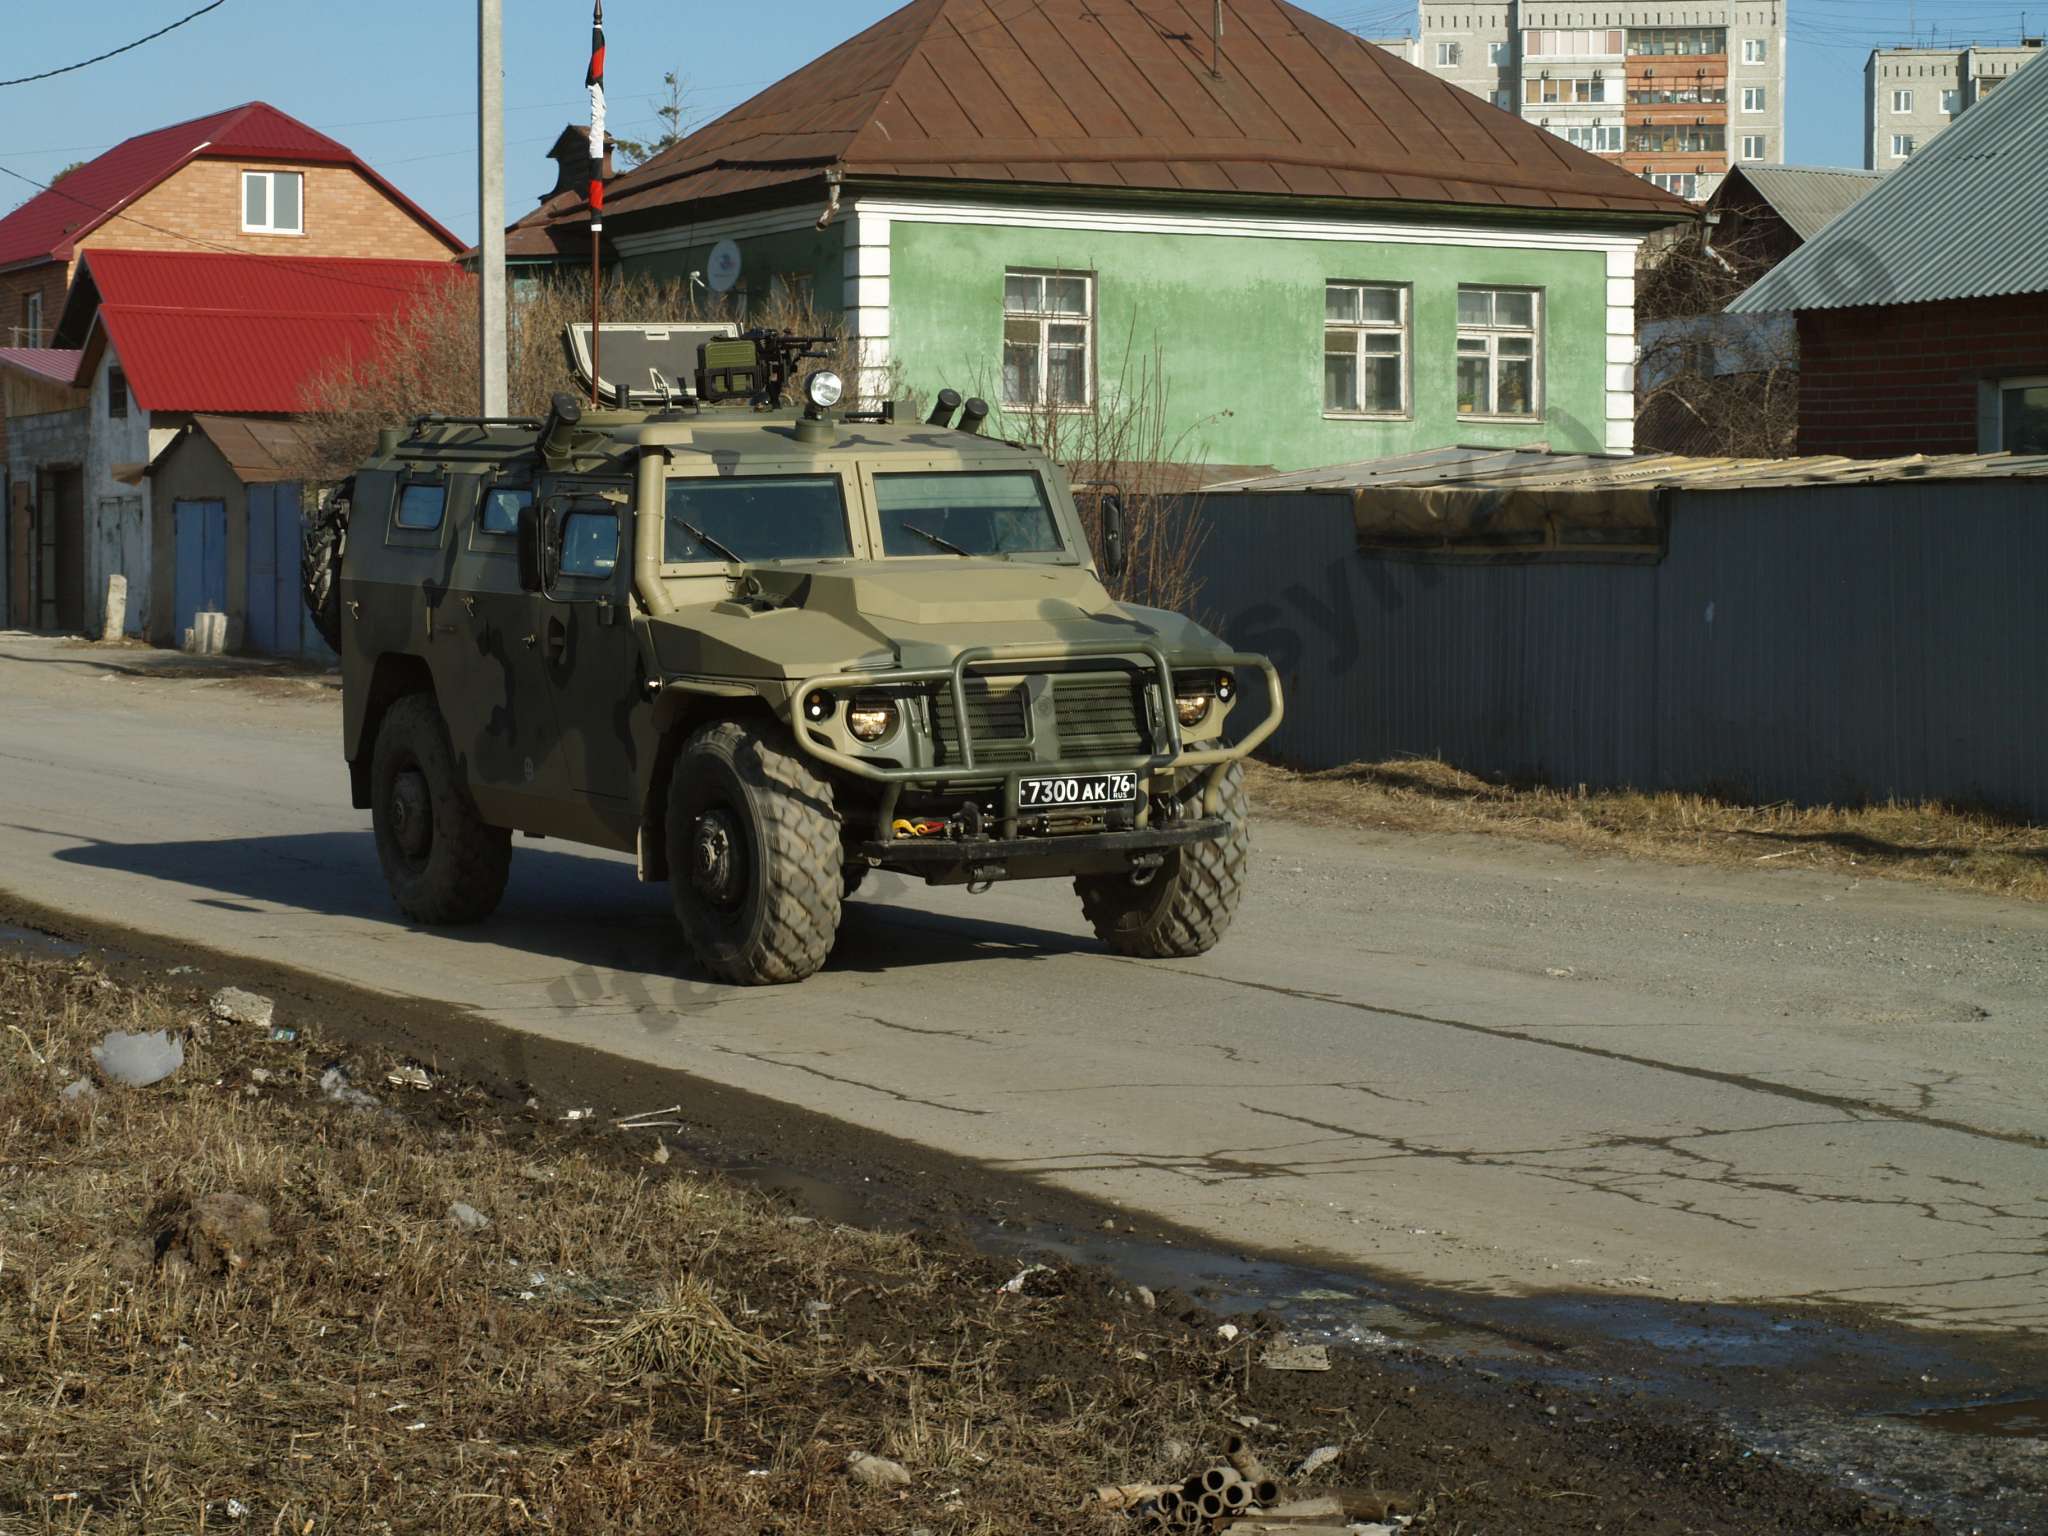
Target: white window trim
{"points": [[1492, 334], [1903, 154], [1450, 56], [1756, 50], [1902, 95], [1086, 320], [1994, 440], [1950, 102], [1755, 93], [270, 204], [1762, 148], [1404, 329], [34, 322]]}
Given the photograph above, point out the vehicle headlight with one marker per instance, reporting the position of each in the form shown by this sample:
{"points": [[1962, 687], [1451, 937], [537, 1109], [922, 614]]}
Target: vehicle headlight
{"points": [[871, 717], [823, 389], [1193, 708], [1226, 687]]}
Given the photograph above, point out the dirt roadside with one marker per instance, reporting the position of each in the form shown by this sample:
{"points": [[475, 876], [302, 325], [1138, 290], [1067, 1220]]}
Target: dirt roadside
{"points": [[672, 1366]]}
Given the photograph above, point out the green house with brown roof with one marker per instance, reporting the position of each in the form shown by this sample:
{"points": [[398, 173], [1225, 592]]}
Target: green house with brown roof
{"points": [[1320, 252]]}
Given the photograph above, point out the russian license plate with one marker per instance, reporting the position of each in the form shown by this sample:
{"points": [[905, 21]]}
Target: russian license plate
{"points": [[1077, 790]]}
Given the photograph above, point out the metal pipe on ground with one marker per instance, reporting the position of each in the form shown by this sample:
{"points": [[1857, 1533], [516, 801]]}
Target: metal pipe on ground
{"points": [[1212, 1506], [1265, 1492], [1216, 1479], [1237, 1495]]}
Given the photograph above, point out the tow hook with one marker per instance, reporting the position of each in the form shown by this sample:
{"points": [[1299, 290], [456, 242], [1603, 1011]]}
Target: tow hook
{"points": [[1145, 866], [981, 876]]}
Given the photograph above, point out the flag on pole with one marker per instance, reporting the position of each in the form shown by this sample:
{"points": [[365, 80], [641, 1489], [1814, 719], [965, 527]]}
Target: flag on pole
{"points": [[593, 80]]}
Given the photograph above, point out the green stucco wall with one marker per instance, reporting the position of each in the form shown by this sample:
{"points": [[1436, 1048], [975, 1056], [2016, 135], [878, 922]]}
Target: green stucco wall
{"points": [[819, 254], [1237, 325]]}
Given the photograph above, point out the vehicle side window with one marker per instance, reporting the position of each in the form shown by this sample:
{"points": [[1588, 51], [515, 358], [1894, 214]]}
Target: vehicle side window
{"points": [[590, 543], [421, 505], [501, 507]]}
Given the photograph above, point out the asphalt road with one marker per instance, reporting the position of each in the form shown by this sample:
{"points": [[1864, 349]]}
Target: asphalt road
{"points": [[1465, 1061]]}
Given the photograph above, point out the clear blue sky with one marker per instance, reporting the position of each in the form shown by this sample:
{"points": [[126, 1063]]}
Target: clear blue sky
{"points": [[396, 79]]}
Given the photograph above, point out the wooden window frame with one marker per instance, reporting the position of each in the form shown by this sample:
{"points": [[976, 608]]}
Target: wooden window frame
{"points": [[1402, 330], [1492, 335]]}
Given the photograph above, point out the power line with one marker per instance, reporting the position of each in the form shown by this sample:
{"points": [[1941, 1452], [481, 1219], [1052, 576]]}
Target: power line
{"points": [[125, 47]]}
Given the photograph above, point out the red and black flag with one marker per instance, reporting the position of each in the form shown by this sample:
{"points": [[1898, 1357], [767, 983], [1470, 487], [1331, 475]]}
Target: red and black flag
{"points": [[593, 80]]}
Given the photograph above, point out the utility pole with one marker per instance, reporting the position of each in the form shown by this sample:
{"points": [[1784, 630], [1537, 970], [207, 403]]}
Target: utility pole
{"points": [[490, 198]]}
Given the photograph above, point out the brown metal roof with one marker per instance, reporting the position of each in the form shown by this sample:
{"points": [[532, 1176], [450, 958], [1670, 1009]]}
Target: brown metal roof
{"points": [[259, 449], [1111, 94]]}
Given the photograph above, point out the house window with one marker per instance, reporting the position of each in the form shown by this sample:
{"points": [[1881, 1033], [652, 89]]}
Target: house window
{"points": [[1365, 349], [1902, 101], [1948, 103], [117, 395], [1752, 146], [2023, 415], [1756, 50], [1505, 100], [1449, 55], [1902, 146], [31, 332], [1752, 98], [1048, 330], [1496, 54], [1498, 351], [1685, 183], [272, 203]]}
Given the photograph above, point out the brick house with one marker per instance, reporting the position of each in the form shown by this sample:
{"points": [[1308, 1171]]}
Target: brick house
{"points": [[250, 181], [1923, 310]]}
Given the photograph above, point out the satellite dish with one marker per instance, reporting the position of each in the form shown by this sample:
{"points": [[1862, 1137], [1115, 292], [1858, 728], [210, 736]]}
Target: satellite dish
{"points": [[722, 270]]}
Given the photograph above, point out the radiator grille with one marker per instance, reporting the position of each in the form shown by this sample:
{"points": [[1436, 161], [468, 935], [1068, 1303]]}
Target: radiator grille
{"points": [[994, 714], [1100, 714]]}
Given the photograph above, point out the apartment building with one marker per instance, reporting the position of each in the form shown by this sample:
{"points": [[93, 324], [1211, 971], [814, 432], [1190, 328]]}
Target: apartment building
{"points": [[1911, 94], [1674, 93]]}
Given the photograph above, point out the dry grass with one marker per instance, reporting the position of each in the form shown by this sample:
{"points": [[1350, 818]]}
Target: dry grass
{"points": [[1972, 850], [628, 1346]]}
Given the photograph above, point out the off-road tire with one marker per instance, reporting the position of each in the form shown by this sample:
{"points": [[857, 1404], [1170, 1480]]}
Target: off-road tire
{"points": [[1186, 908], [321, 548], [456, 873], [766, 911]]}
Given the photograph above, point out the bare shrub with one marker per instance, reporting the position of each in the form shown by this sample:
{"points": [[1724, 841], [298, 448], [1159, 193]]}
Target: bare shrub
{"points": [[1125, 442], [1708, 382]]}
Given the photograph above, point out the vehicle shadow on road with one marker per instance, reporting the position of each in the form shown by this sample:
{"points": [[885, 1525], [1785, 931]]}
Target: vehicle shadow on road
{"points": [[587, 911]]}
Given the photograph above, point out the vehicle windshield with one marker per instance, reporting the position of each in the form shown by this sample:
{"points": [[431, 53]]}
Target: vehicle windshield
{"points": [[1002, 512], [756, 517]]}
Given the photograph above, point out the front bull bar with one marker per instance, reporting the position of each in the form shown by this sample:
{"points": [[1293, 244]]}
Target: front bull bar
{"points": [[1017, 661]]}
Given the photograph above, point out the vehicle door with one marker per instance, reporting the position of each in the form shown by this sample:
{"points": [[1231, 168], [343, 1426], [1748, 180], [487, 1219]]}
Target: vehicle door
{"points": [[500, 718], [588, 651]]}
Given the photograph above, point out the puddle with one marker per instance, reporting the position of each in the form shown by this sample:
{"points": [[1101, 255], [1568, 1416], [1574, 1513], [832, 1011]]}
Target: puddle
{"points": [[2017, 1417], [39, 943]]}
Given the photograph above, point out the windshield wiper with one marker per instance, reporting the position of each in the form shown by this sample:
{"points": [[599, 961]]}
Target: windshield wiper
{"points": [[707, 541], [924, 533]]}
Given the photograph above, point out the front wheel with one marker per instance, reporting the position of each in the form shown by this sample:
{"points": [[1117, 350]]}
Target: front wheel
{"points": [[753, 854], [443, 862], [1184, 907]]}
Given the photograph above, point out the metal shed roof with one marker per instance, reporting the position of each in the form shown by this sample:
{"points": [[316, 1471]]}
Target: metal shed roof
{"points": [[1118, 94], [1964, 218], [1532, 469], [1806, 197]]}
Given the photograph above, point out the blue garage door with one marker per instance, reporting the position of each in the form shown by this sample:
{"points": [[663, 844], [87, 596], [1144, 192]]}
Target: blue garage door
{"points": [[278, 622], [202, 582]]}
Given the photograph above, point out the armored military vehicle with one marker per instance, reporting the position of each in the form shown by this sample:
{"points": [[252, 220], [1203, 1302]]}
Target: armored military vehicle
{"points": [[769, 648]]}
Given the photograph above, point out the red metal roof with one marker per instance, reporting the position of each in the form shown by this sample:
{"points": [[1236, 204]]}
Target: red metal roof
{"points": [[1112, 94], [46, 227], [207, 331]]}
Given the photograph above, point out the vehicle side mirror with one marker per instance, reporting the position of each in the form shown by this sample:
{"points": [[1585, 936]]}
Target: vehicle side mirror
{"points": [[532, 575], [1116, 553]]}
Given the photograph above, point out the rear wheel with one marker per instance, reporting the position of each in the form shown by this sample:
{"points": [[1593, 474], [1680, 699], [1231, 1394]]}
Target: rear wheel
{"points": [[1184, 907], [443, 863], [753, 854]]}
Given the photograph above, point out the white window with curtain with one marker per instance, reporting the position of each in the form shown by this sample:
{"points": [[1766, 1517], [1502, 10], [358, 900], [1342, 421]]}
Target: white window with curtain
{"points": [[1365, 349], [273, 203], [1048, 340], [1500, 352]]}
